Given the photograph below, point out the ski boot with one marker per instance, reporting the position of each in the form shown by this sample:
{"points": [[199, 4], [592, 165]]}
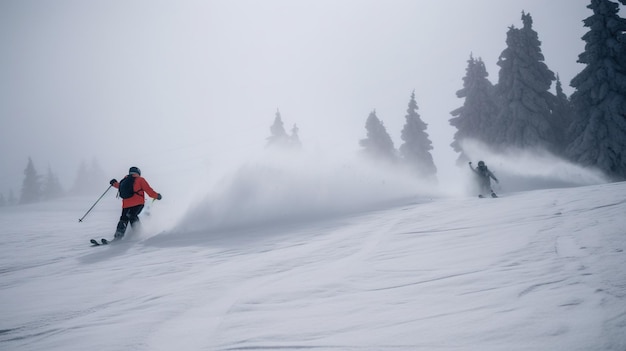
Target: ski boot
{"points": [[119, 232]]}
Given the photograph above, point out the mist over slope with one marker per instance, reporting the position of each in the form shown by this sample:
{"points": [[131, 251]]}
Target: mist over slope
{"points": [[295, 186], [298, 186]]}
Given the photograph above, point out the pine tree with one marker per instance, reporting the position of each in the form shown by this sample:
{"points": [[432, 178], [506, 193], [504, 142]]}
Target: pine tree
{"points": [[479, 110], [598, 132], [415, 150], [31, 186], [378, 143], [294, 138], [12, 201], [89, 178], [524, 119], [52, 188], [81, 185], [278, 135]]}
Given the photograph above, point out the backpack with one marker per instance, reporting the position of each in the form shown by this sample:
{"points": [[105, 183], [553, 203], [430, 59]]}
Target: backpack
{"points": [[127, 187]]}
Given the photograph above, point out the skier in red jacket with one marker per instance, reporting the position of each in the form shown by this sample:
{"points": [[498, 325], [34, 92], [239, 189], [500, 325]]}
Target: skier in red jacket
{"points": [[132, 189]]}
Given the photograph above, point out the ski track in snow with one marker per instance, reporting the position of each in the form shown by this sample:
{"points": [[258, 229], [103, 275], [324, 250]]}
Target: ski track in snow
{"points": [[540, 270], [337, 257]]}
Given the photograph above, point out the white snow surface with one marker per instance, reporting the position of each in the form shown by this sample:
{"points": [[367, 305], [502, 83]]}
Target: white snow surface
{"points": [[533, 270]]}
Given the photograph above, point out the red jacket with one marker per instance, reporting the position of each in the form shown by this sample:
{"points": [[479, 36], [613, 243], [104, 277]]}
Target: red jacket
{"points": [[140, 187]]}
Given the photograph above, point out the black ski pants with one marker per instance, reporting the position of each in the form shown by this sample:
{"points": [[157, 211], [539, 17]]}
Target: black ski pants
{"points": [[129, 215]]}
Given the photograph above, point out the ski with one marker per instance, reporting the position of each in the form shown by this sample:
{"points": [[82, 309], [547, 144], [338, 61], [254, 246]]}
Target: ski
{"points": [[107, 242], [102, 242]]}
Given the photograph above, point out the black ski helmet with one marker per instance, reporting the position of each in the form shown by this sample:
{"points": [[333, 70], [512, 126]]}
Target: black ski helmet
{"points": [[481, 163], [134, 170]]}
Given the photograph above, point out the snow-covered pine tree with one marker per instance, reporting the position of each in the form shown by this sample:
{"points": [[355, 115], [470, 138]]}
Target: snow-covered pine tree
{"points": [[278, 135], [479, 109], [31, 186], [598, 132], [415, 151], [378, 143], [3, 201], [524, 118]]}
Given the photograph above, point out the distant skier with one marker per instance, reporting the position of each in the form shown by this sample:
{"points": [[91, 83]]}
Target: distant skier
{"points": [[131, 190], [484, 174]]}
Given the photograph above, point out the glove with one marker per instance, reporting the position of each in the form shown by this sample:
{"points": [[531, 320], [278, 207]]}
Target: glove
{"points": [[159, 197], [113, 181]]}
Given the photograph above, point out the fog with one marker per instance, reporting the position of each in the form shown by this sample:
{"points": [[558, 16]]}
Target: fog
{"points": [[187, 90], [295, 187], [277, 188]]}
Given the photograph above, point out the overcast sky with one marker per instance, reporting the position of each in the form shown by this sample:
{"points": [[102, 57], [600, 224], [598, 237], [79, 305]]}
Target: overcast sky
{"points": [[151, 83]]}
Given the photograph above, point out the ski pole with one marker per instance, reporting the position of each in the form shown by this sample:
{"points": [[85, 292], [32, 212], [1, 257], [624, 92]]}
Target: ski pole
{"points": [[92, 206]]}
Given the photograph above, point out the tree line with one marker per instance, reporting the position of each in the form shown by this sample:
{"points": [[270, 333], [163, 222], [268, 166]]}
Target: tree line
{"points": [[520, 112], [413, 154], [38, 186]]}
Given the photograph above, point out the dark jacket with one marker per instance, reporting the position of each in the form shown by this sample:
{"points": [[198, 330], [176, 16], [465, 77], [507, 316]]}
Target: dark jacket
{"points": [[483, 172]]}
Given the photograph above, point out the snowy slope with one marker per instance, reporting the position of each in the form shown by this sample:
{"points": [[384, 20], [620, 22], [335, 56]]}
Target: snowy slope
{"points": [[537, 270]]}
